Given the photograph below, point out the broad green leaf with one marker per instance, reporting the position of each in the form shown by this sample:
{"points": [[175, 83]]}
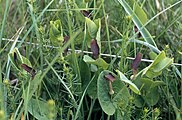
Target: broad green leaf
{"points": [[156, 67], [103, 95], [119, 99], [162, 64], [157, 83], [138, 20], [85, 73], [146, 83], [139, 101], [17, 60], [152, 96], [152, 55], [33, 85], [151, 74], [132, 86], [160, 57], [99, 62], [92, 89], [149, 91], [92, 27], [38, 109], [121, 94]]}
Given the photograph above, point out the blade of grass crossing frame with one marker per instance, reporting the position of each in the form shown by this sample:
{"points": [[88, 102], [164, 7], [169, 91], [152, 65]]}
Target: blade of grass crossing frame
{"points": [[145, 33]]}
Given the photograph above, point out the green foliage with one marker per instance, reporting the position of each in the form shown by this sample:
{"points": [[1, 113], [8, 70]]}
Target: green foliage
{"points": [[32, 86], [39, 109], [110, 103], [99, 62], [138, 17], [133, 87], [138, 11], [92, 27], [56, 33], [149, 87], [160, 63], [90, 75]]}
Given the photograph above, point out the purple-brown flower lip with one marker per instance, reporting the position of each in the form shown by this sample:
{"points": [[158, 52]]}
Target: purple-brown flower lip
{"points": [[94, 48], [29, 70], [110, 77]]}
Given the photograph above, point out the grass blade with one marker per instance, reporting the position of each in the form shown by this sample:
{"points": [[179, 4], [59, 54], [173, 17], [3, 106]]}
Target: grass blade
{"points": [[145, 33]]}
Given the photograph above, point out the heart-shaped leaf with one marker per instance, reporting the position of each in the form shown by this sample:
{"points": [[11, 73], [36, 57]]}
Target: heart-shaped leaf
{"points": [[120, 97]]}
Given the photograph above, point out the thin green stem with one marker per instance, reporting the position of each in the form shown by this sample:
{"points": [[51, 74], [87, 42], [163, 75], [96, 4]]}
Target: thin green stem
{"points": [[107, 27], [8, 2]]}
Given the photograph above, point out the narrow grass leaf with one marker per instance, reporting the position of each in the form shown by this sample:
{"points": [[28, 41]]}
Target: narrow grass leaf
{"points": [[137, 20]]}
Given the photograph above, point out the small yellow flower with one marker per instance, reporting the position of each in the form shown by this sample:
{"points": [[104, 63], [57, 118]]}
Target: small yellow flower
{"points": [[2, 116], [51, 102], [6, 82], [128, 17]]}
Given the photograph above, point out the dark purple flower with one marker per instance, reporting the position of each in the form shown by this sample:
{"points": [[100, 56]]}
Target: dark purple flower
{"points": [[110, 77], [136, 30], [66, 38], [94, 48], [86, 13], [29, 70], [15, 56], [136, 62]]}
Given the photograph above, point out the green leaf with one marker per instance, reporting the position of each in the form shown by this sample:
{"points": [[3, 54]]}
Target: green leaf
{"points": [[148, 83], [149, 91], [92, 89], [157, 83], [85, 73], [132, 86], [155, 68], [119, 99], [152, 55], [138, 19], [151, 74], [121, 94], [38, 109], [103, 95], [152, 96], [92, 27], [140, 13], [33, 85], [99, 62], [56, 33], [98, 38], [139, 101], [17, 60], [162, 64]]}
